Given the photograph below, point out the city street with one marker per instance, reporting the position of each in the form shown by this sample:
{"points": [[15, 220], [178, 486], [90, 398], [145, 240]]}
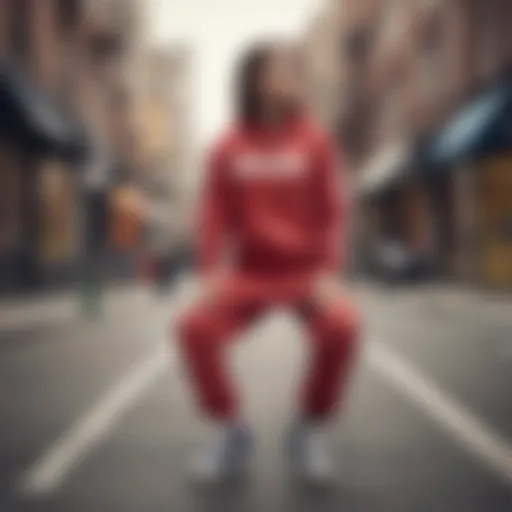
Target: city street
{"points": [[96, 416], [143, 140]]}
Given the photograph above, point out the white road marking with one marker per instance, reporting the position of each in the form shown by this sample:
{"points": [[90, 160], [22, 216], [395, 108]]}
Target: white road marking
{"points": [[51, 470], [49, 473], [474, 435]]}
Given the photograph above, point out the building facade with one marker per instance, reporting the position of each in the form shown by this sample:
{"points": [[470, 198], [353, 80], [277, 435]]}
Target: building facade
{"points": [[164, 128], [408, 68], [165, 144], [74, 53]]}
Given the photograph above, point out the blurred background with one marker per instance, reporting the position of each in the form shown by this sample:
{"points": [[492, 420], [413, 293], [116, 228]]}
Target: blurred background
{"points": [[96, 94], [104, 99], [419, 95], [89, 103]]}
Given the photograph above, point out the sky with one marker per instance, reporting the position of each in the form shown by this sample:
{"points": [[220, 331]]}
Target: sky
{"points": [[217, 30]]}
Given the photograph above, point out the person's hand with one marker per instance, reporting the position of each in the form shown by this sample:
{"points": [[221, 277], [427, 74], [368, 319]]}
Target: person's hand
{"points": [[326, 288], [210, 286], [131, 203]]}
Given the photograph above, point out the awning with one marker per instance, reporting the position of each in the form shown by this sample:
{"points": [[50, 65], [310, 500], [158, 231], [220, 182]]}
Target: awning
{"points": [[385, 168], [29, 115], [478, 128]]}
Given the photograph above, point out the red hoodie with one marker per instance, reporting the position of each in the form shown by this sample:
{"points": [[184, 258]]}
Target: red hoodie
{"points": [[274, 200]]}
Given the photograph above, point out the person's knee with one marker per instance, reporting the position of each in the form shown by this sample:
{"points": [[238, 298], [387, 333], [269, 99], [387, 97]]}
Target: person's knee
{"points": [[195, 328], [341, 327], [349, 323]]}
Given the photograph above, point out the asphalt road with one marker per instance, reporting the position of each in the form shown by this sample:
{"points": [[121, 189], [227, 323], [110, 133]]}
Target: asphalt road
{"points": [[96, 415]]}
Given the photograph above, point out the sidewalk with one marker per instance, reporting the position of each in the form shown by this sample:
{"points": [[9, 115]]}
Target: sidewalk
{"points": [[447, 298], [67, 306], [59, 307]]}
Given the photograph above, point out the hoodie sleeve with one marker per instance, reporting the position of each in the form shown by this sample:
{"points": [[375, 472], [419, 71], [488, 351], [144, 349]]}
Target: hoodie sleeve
{"points": [[333, 191], [212, 216]]}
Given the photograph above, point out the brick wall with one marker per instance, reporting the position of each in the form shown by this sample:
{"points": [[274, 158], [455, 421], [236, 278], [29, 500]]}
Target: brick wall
{"points": [[4, 26], [420, 59]]}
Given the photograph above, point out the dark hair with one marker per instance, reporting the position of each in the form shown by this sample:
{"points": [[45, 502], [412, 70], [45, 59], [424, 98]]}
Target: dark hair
{"points": [[248, 100]]}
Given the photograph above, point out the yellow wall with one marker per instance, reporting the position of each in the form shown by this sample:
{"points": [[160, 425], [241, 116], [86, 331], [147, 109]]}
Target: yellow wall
{"points": [[154, 129], [58, 213], [495, 207], [10, 200], [417, 219]]}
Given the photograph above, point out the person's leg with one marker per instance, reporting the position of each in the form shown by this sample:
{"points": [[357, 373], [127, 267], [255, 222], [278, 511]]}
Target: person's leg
{"points": [[203, 334], [334, 330]]}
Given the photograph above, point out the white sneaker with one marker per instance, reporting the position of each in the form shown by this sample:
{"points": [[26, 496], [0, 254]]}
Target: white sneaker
{"points": [[309, 455], [225, 459]]}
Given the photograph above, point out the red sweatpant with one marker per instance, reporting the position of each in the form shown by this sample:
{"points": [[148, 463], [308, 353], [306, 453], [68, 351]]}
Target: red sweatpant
{"points": [[206, 329]]}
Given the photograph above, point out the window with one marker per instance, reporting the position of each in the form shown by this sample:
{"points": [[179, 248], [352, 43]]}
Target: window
{"points": [[356, 45], [58, 214], [389, 112], [506, 10], [394, 20], [430, 62], [431, 4], [392, 113], [69, 12], [20, 30], [104, 47], [67, 88], [10, 195], [487, 32]]}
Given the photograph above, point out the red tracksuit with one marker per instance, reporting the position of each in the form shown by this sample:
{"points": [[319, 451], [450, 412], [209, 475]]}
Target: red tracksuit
{"points": [[273, 203]]}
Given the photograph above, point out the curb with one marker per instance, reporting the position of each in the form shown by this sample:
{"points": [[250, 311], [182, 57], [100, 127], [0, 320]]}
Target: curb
{"points": [[69, 307], [65, 307]]}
